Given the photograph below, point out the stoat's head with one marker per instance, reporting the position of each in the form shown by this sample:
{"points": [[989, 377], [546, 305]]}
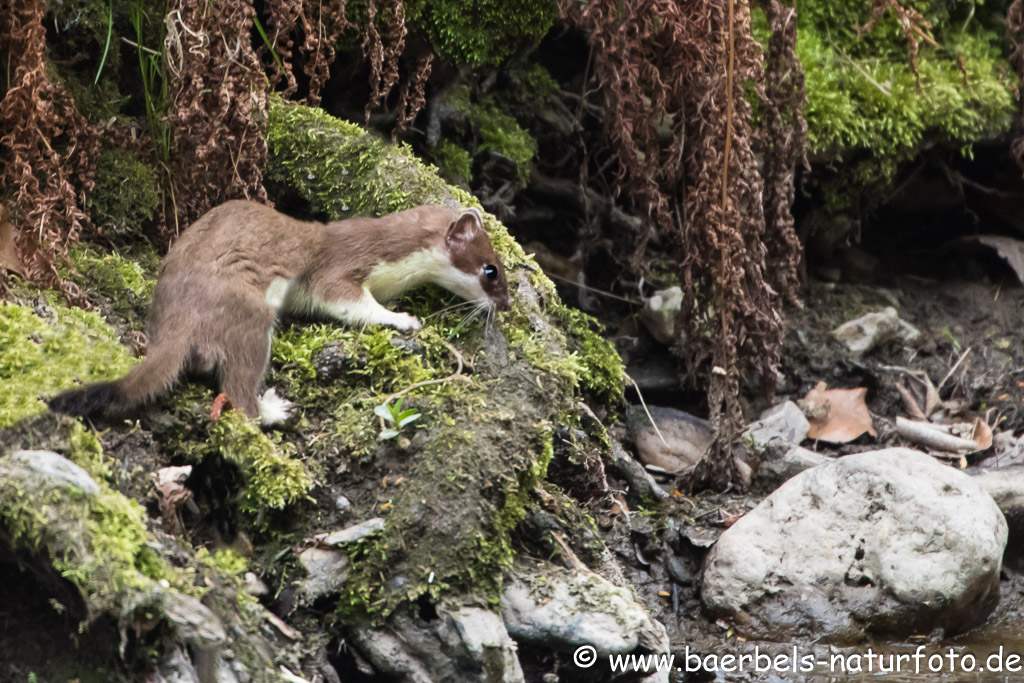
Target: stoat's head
{"points": [[481, 275]]}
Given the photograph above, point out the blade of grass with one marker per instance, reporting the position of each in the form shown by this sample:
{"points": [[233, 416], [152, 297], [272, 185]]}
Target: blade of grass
{"points": [[106, 48], [266, 41]]}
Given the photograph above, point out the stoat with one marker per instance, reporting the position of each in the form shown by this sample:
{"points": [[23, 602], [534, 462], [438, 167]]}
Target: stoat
{"points": [[230, 275]]}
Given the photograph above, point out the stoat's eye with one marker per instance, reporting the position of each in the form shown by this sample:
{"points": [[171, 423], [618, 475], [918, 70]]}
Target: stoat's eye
{"points": [[491, 272]]}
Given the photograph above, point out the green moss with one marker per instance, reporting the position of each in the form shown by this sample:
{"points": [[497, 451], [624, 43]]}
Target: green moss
{"points": [[863, 101], [600, 367], [481, 32], [98, 542], [455, 163], [495, 131], [46, 349], [225, 561], [125, 282], [341, 170], [127, 192], [481, 446], [275, 478]]}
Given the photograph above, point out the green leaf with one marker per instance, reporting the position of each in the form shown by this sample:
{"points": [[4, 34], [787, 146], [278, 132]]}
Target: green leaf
{"points": [[383, 411], [407, 419], [388, 434]]}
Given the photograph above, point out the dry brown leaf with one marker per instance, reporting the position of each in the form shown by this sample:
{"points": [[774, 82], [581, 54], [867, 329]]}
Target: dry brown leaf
{"points": [[982, 434], [837, 415], [9, 258]]}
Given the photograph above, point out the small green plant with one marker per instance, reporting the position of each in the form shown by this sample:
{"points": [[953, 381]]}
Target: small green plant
{"points": [[394, 416]]}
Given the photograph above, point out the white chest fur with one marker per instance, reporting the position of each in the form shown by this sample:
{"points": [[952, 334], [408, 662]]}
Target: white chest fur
{"points": [[387, 280]]}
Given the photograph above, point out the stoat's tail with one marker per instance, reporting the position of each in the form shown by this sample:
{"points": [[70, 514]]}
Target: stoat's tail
{"points": [[151, 378]]}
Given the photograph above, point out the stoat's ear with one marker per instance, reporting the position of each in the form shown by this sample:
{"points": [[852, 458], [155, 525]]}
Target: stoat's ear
{"points": [[463, 230]]}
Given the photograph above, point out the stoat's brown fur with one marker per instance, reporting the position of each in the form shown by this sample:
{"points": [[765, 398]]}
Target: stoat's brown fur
{"points": [[228, 277]]}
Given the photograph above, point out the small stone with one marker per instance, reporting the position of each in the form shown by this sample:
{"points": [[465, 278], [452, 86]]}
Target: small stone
{"points": [[874, 329], [341, 503], [785, 422], [682, 441], [327, 571], [659, 313], [254, 586], [57, 469], [356, 532]]}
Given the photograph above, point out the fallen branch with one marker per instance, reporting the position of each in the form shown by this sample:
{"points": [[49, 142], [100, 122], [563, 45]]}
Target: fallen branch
{"points": [[935, 437]]}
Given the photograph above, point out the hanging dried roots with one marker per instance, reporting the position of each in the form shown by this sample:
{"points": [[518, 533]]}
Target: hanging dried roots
{"points": [[217, 100], [321, 25], [684, 67], [47, 150]]}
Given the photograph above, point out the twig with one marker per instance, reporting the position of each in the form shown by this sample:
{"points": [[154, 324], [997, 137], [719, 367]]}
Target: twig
{"points": [[953, 369], [594, 289], [644, 404], [455, 375], [885, 91]]}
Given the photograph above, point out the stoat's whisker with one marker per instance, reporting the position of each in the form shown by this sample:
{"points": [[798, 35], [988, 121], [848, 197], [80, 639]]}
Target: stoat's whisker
{"points": [[446, 309], [472, 315]]}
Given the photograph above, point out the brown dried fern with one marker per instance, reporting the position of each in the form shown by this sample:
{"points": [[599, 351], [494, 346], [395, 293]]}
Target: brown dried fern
{"points": [[217, 100], [683, 67], [47, 150]]}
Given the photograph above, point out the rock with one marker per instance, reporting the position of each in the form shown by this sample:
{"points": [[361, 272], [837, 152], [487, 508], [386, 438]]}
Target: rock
{"points": [[659, 313], [785, 422], [889, 542], [781, 462], [868, 331], [176, 667], [685, 438], [1006, 486], [341, 503], [1007, 451], [333, 361], [56, 469], [327, 571], [195, 623], [254, 585], [355, 532], [462, 644], [641, 483], [562, 611]]}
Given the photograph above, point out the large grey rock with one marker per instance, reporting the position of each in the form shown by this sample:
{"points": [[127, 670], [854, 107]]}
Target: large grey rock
{"points": [[564, 611], [889, 542], [464, 644]]}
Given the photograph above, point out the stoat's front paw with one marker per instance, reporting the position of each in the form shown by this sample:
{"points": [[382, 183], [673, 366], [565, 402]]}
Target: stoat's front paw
{"points": [[274, 410], [404, 321]]}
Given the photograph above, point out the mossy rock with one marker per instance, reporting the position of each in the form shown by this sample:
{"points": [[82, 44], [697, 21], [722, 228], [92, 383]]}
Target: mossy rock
{"points": [[63, 512], [481, 32], [452, 487], [45, 346], [127, 193], [866, 106], [470, 463]]}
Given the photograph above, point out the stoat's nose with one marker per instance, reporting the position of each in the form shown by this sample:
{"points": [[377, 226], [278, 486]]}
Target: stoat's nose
{"points": [[502, 304]]}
